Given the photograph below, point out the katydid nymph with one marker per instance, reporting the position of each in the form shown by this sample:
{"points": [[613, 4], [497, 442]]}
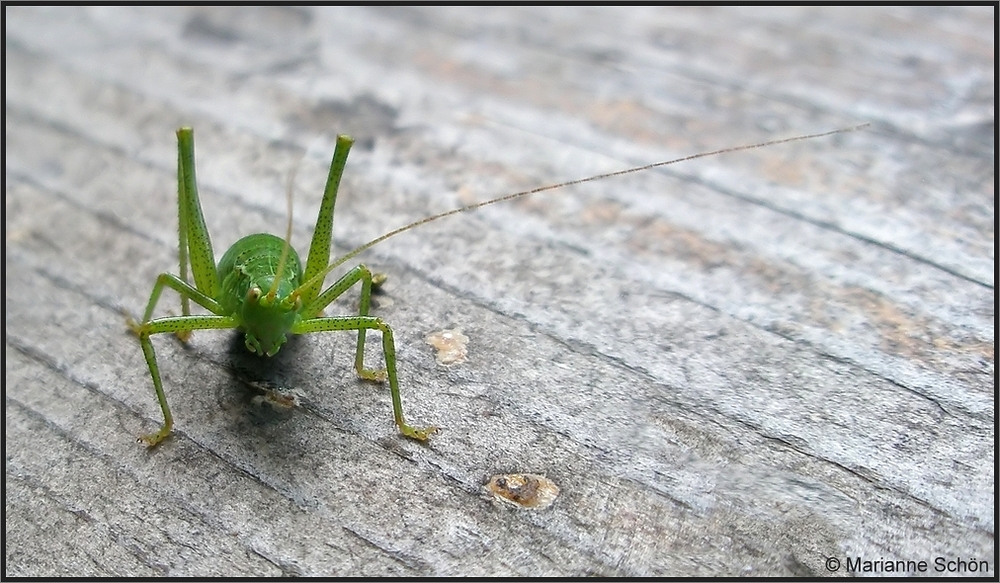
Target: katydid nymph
{"points": [[260, 287]]}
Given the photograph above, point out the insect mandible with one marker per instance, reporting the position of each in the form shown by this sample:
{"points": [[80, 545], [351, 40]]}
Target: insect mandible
{"points": [[260, 287]]}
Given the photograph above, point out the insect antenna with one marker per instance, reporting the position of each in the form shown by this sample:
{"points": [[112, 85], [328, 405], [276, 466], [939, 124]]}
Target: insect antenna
{"points": [[289, 195], [322, 275]]}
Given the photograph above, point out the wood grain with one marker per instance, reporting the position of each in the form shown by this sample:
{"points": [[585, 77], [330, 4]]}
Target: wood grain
{"points": [[743, 365]]}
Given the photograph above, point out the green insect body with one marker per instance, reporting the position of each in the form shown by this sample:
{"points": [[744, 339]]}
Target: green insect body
{"points": [[249, 267], [259, 285], [260, 288]]}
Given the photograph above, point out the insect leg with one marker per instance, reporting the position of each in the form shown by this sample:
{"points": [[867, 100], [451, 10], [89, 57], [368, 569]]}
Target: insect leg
{"points": [[362, 323], [182, 241], [182, 326], [319, 248], [171, 324], [186, 292], [198, 246], [364, 275]]}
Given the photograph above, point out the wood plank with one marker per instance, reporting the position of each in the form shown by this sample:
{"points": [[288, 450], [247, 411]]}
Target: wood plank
{"points": [[740, 365]]}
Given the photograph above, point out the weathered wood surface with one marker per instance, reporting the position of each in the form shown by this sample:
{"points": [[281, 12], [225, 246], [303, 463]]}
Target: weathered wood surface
{"points": [[742, 365]]}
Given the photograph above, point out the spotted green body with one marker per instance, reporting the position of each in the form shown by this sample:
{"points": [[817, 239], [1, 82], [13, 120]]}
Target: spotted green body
{"points": [[261, 288], [252, 264]]}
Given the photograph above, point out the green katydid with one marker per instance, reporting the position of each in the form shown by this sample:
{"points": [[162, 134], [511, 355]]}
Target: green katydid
{"points": [[259, 285]]}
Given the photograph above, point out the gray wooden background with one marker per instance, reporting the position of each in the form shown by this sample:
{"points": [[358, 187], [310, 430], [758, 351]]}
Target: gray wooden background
{"points": [[756, 364]]}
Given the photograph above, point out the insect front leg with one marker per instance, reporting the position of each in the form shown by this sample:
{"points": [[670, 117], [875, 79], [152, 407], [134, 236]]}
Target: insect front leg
{"points": [[171, 324], [181, 287], [186, 292], [364, 275], [361, 324], [182, 326]]}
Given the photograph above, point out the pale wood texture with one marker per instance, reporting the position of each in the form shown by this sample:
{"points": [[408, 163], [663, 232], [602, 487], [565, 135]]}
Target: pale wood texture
{"points": [[743, 365]]}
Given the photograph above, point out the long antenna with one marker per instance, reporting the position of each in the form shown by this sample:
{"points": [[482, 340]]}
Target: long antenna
{"points": [[322, 275], [285, 249]]}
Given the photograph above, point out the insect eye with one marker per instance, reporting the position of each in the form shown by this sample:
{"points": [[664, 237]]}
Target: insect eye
{"points": [[253, 294]]}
